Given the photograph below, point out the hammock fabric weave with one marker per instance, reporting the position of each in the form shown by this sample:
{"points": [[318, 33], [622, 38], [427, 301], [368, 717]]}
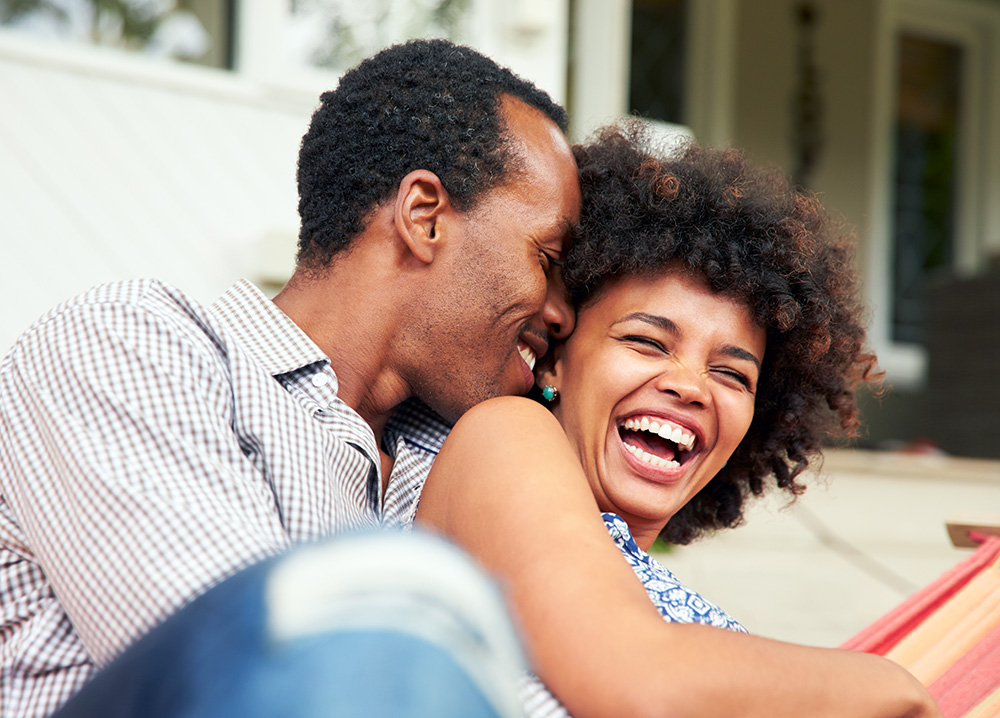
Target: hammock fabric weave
{"points": [[948, 635]]}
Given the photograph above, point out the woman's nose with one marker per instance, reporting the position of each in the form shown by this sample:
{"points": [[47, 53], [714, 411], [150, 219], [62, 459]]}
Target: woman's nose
{"points": [[687, 384]]}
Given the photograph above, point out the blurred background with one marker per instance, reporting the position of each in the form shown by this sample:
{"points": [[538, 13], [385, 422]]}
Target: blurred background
{"points": [[158, 138]]}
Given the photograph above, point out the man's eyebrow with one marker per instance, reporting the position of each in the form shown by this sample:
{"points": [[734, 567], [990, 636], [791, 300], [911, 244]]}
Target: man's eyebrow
{"points": [[668, 326], [568, 229], [563, 233]]}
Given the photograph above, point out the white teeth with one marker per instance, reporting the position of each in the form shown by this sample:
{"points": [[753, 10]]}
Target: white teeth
{"points": [[526, 354], [667, 431], [650, 458]]}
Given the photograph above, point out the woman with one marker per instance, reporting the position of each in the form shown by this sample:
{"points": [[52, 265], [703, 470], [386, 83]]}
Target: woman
{"points": [[718, 338]]}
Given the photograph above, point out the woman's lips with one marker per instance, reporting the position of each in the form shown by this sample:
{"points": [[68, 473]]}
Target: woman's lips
{"points": [[664, 428], [650, 466], [655, 446], [649, 458]]}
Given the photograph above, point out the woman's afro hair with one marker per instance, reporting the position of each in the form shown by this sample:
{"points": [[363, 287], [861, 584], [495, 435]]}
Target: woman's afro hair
{"points": [[753, 238]]}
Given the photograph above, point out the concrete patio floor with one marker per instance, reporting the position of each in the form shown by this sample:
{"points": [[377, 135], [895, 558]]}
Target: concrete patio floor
{"points": [[868, 533]]}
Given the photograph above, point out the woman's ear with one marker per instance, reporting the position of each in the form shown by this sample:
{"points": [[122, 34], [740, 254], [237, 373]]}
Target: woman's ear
{"points": [[421, 202], [548, 368]]}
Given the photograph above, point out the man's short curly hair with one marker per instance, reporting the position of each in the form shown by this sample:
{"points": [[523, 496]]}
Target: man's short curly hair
{"points": [[425, 104], [753, 238]]}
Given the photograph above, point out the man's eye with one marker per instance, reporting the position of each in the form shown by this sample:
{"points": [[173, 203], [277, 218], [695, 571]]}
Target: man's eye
{"points": [[551, 261]]}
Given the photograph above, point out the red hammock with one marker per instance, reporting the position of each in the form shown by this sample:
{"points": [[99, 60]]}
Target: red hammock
{"points": [[948, 635]]}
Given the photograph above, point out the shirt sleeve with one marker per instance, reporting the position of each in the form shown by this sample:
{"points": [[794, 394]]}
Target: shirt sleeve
{"points": [[119, 459]]}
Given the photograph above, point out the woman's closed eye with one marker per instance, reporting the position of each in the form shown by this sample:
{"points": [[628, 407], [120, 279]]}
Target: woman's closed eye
{"points": [[645, 342], [737, 376]]}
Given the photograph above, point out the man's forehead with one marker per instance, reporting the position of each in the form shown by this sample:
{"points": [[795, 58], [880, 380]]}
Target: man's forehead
{"points": [[535, 131], [546, 173], [542, 144]]}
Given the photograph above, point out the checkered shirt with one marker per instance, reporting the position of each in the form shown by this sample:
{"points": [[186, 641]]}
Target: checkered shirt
{"points": [[149, 447]]}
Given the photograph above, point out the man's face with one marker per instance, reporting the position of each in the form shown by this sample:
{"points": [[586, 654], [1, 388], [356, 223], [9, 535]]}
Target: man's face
{"points": [[506, 297]]}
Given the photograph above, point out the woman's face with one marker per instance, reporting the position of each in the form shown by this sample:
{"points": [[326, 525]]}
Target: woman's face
{"points": [[656, 390]]}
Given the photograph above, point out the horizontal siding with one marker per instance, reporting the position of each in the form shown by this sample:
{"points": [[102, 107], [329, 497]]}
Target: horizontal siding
{"points": [[114, 166]]}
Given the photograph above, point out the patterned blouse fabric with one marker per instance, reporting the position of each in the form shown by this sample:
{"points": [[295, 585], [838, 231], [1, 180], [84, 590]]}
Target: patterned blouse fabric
{"points": [[149, 447], [676, 603]]}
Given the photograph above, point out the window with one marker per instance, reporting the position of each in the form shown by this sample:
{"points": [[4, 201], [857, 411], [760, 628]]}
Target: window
{"points": [[937, 165], [337, 34], [669, 60], [657, 59], [926, 168], [198, 31], [274, 37], [303, 45]]}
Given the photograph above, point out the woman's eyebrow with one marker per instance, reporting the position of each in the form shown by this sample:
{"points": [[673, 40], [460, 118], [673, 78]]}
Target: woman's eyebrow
{"points": [[741, 353], [668, 326], [655, 319]]}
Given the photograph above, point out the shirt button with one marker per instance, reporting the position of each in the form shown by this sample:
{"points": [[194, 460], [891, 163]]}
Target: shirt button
{"points": [[320, 380]]}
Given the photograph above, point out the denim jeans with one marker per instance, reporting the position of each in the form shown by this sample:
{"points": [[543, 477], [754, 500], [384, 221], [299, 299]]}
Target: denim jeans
{"points": [[387, 624]]}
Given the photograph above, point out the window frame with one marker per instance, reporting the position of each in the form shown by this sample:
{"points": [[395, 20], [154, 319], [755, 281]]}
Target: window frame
{"points": [[529, 36], [974, 26], [599, 87]]}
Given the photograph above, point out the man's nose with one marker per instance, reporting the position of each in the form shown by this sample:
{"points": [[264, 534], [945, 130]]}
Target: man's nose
{"points": [[557, 312]]}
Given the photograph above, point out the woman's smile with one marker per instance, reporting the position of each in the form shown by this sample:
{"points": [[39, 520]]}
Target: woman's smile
{"points": [[656, 440]]}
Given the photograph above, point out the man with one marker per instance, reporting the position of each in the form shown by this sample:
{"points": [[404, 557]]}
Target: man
{"points": [[150, 447]]}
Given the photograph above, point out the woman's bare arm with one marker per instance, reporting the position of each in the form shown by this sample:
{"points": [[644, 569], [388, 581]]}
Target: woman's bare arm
{"points": [[508, 487]]}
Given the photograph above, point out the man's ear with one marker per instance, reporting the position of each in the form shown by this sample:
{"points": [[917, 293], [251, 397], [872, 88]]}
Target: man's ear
{"points": [[420, 203]]}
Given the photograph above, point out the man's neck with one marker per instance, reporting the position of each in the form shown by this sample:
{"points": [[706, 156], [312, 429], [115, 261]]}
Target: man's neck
{"points": [[354, 329], [387, 464]]}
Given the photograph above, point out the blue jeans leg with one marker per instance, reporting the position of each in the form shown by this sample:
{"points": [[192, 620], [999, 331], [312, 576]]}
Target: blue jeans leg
{"points": [[389, 624]]}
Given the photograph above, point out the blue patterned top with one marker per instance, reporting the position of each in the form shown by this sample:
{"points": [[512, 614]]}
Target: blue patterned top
{"points": [[676, 603]]}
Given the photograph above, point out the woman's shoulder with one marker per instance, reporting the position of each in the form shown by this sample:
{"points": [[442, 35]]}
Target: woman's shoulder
{"points": [[508, 456], [508, 406], [513, 446], [507, 415]]}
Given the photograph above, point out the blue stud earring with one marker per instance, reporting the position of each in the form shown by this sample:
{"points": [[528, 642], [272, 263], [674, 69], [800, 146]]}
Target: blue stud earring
{"points": [[549, 393]]}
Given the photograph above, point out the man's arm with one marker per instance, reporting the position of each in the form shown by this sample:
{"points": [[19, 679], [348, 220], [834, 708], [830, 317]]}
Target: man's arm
{"points": [[508, 487], [120, 464]]}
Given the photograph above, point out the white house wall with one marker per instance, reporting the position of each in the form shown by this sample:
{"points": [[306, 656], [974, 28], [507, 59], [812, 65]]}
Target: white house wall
{"points": [[116, 167]]}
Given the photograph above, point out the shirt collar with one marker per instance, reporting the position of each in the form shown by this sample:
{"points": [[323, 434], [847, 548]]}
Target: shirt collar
{"points": [[280, 347], [420, 425], [268, 334]]}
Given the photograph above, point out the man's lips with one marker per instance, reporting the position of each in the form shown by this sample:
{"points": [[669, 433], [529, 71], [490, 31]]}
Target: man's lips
{"points": [[528, 359], [531, 344], [528, 354]]}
